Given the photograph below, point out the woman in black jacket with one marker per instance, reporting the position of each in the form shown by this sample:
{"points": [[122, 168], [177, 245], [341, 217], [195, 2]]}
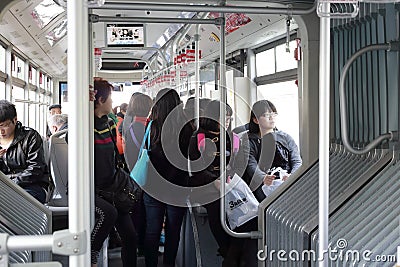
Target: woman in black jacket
{"points": [[287, 156], [169, 138], [243, 251], [204, 157]]}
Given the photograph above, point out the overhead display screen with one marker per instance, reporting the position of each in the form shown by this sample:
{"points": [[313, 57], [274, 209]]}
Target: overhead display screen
{"points": [[125, 35]]}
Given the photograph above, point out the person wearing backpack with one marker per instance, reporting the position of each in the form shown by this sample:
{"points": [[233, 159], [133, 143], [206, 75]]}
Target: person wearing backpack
{"points": [[204, 158]]}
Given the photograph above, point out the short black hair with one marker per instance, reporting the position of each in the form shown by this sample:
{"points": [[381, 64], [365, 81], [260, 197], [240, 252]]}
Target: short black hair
{"points": [[103, 89], [7, 111], [54, 106]]}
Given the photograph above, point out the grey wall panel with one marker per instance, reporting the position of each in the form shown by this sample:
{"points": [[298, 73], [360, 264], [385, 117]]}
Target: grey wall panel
{"points": [[20, 214], [369, 221], [372, 81], [291, 218]]}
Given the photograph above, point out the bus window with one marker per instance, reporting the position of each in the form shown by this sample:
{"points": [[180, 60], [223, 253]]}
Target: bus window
{"points": [[2, 59], [284, 95], [265, 62], [285, 60]]}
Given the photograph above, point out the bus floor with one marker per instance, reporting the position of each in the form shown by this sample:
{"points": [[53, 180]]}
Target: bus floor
{"points": [[114, 259]]}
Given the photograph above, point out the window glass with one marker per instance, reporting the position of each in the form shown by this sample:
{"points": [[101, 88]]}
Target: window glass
{"points": [[43, 122], [45, 12], [284, 96], [285, 60], [18, 69], [42, 79], [265, 62], [32, 116], [209, 90], [20, 107], [34, 73], [2, 59], [18, 93], [63, 90], [2, 90], [49, 85], [32, 95]]}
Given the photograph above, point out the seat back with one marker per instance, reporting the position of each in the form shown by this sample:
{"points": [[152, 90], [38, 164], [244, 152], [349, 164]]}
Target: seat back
{"points": [[59, 169], [21, 214]]}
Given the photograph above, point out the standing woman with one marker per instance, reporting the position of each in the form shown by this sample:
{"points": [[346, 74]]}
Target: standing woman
{"points": [[167, 100], [106, 215], [205, 166], [134, 128]]}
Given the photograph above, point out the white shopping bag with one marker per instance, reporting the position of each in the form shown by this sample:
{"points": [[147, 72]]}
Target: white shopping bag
{"points": [[240, 204], [268, 189]]}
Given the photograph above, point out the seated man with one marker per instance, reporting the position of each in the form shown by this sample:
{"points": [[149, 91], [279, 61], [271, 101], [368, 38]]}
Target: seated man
{"points": [[53, 109], [21, 153], [58, 122]]}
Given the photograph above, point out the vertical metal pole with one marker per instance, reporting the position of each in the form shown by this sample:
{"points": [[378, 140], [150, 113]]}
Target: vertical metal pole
{"points": [[78, 154], [9, 79], [92, 73], [251, 74], [222, 115], [324, 90], [197, 77]]}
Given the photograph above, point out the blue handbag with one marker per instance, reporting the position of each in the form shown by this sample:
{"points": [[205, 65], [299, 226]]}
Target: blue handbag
{"points": [[139, 171]]}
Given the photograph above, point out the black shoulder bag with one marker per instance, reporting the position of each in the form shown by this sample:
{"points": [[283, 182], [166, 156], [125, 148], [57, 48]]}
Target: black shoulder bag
{"points": [[123, 193]]}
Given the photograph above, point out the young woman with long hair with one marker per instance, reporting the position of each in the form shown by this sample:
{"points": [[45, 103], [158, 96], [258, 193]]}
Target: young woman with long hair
{"points": [[167, 137]]}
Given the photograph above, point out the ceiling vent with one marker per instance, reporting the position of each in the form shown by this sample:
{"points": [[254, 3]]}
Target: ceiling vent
{"points": [[122, 65]]}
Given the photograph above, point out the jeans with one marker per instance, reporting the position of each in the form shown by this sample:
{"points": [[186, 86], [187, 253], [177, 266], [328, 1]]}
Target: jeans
{"points": [[155, 211], [138, 216], [36, 191]]}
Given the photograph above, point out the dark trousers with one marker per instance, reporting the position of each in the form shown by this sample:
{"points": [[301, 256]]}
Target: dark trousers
{"points": [[107, 216], [155, 212], [242, 252], [36, 191], [138, 216], [222, 238]]}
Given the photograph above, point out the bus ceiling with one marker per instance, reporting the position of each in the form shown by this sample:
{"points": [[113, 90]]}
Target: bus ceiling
{"points": [[46, 46]]}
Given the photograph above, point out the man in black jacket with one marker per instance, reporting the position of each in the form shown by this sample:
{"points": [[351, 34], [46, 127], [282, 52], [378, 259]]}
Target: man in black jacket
{"points": [[21, 153]]}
